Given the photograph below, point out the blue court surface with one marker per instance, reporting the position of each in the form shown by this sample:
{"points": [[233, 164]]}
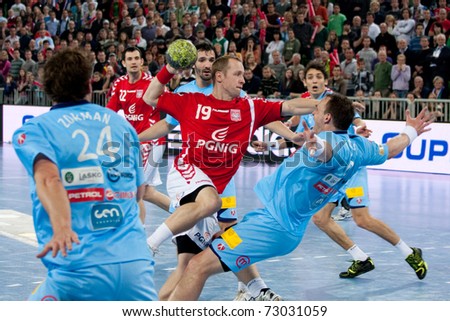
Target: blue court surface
{"points": [[416, 206]]}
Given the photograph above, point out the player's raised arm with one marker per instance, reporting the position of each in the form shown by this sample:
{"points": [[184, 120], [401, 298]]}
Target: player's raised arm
{"points": [[414, 127], [158, 84], [298, 106]]}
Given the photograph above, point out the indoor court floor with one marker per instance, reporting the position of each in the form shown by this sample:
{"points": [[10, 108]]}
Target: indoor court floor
{"points": [[415, 205]]}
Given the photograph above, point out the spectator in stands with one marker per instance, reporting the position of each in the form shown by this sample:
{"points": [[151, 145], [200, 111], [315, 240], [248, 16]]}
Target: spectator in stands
{"points": [[395, 11], [443, 21], [382, 74], [400, 76], [439, 61], [319, 11], [250, 63], [367, 53], [336, 20], [321, 33], [414, 44], [29, 62], [392, 111], [439, 90], [427, 21], [404, 29], [5, 65], [286, 84], [348, 67], [303, 31], [252, 47], [419, 90], [269, 84], [296, 65], [10, 87], [220, 39], [278, 67], [101, 64], [278, 45], [16, 64], [387, 40], [252, 82], [402, 48], [337, 83], [291, 47], [374, 29], [362, 78]]}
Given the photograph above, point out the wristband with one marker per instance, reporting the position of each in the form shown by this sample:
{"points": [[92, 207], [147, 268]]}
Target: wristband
{"points": [[410, 132], [164, 76], [320, 147]]}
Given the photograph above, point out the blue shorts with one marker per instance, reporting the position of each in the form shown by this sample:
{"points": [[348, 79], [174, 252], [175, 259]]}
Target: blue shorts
{"points": [[129, 281], [257, 237], [228, 211], [356, 191]]}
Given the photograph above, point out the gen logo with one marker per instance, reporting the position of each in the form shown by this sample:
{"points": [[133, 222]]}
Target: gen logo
{"points": [[106, 215]]}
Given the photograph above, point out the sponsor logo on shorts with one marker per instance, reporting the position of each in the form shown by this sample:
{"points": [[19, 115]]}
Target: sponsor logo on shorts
{"points": [[242, 261], [86, 195], [82, 176], [106, 215], [220, 247], [114, 175], [116, 195], [359, 200], [203, 239], [49, 298]]}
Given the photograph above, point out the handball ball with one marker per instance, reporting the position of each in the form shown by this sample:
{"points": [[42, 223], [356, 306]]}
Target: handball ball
{"points": [[181, 54]]}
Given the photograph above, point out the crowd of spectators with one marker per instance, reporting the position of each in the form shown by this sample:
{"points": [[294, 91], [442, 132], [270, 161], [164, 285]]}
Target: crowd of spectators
{"points": [[380, 46]]}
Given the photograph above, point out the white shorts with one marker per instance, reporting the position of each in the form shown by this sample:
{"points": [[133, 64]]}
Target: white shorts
{"points": [[151, 158], [202, 233], [182, 180]]}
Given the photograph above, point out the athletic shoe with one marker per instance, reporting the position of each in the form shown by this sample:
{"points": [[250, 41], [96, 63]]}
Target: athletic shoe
{"points": [[267, 295], [358, 268], [416, 261], [242, 295], [343, 214]]}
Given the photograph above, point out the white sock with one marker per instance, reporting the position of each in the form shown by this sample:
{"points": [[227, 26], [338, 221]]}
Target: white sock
{"points": [[357, 254], [255, 286], [242, 287], [161, 234], [404, 248]]}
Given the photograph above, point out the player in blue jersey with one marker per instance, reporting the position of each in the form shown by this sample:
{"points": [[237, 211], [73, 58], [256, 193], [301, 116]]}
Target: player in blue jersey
{"points": [[193, 241], [355, 194], [302, 185], [86, 180]]}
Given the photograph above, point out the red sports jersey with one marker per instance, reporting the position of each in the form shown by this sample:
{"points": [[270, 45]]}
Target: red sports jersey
{"points": [[215, 132], [128, 97]]}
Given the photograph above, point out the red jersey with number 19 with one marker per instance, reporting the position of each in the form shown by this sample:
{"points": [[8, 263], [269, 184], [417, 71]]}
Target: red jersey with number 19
{"points": [[216, 133], [128, 97]]}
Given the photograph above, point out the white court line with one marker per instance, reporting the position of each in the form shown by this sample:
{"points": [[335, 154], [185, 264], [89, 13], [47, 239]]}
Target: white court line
{"points": [[17, 226]]}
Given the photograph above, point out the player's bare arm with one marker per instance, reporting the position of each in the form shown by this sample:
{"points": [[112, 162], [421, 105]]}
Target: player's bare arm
{"points": [[54, 198], [298, 106], [158, 130], [156, 88], [280, 129]]}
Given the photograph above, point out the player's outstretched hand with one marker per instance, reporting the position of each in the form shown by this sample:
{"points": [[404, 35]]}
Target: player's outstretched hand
{"points": [[421, 122], [358, 107], [310, 139], [61, 241], [298, 138], [363, 131]]}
